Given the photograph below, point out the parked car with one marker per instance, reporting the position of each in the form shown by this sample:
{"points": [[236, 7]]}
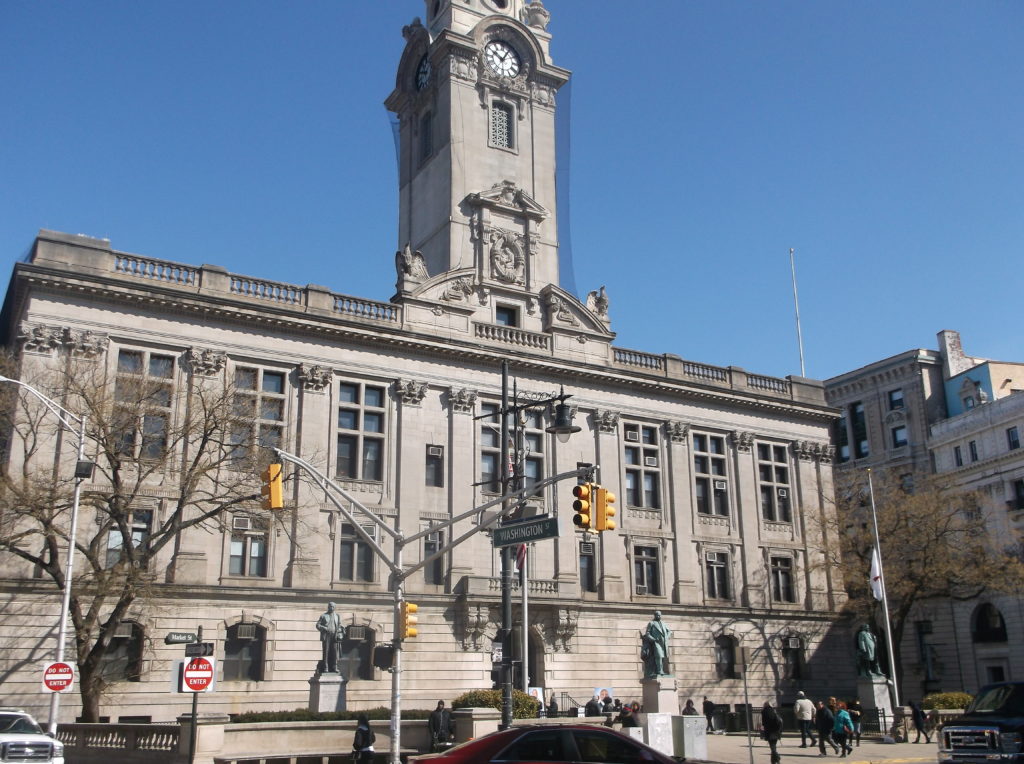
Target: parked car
{"points": [[537, 743], [22, 740], [990, 730]]}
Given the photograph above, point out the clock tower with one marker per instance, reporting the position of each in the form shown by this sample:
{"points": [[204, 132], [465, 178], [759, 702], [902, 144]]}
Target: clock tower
{"points": [[475, 96]]}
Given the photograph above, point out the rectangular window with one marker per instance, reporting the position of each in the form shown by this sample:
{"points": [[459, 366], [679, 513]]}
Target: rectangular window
{"points": [[793, 659], [502, 126], [895, 399], [842, 440], [773, 478], [361, 425], [140, 523], [782, 579], [710, 481], [433, 572], [434, 466], [532, 448], [716, 568], [258, 412], [643, 471], [1017, 502], [490, 448], [506, 316], [958, 456], [859, 422], [143, 391], [972, 448], [899, 436], [426, 136], [1012, 438], [646, 570], [248, 548], [356, 558], [588, 567]]}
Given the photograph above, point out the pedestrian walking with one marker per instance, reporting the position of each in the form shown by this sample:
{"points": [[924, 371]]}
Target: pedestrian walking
{"points": [[440, 726], [552, 707], [920, 724], [362, 743], [825, 720], [855, 711], [771, 729], [803, 710], [709, 713], [842, 729]]}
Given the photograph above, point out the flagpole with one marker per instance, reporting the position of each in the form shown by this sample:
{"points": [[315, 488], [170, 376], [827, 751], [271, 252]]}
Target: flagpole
{"points": [[796, 304], [524, 568], [885, 597]]}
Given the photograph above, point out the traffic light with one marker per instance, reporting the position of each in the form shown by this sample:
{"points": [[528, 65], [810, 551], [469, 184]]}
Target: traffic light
{"points": [[407, 620], [605, 510], [583, 506], [273, 492]]}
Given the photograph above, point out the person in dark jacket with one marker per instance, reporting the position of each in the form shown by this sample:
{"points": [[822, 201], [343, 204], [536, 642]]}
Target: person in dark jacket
{"points": [[362, 744], [626, 717], [593, 707], [709, 711], [920, 724], [771, 729], [824, 721], [440, 726], [856, 711], [690, 709], [552, 707]]}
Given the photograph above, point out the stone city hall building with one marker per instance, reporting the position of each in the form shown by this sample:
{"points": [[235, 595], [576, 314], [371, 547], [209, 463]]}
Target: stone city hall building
{"points": [[723, 477]]}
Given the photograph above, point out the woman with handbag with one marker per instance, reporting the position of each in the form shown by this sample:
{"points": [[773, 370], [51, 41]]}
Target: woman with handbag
{"points": [[362, 743]]}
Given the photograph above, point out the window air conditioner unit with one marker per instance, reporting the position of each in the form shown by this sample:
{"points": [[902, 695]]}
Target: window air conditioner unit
{"points": [[241, 523], [632, 435], [793, 643], [435, 450], [356, 633], [641, 590], [783, 493], [650, 461], [711, 556], [720, 485], [247, 631], [123, 631]]}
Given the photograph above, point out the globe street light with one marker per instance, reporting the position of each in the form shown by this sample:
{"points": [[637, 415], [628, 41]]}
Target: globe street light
{"points": [[83, 470]]}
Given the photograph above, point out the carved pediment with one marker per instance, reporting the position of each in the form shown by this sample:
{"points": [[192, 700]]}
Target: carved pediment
{"points": [[509, 199], [563, 311]]}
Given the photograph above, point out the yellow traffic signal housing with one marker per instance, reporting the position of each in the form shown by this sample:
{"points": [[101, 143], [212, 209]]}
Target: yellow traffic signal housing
{"points": [[408, 620], [583, 506], [605, 510], [273, 491]]}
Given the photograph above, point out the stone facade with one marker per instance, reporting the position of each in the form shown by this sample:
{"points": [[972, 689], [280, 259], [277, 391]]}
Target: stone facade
{"points": [[724, 477]]}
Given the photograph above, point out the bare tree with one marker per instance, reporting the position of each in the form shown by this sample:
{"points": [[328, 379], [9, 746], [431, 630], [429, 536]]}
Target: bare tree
{"points": [[198, 448], [935, 544]]}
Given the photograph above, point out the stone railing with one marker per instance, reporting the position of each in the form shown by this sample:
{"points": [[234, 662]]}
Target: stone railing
{"points": [[156, 270], [510, 335], [541, 587], [375, 311], [673, 367], [123, 743], [267, 290]]}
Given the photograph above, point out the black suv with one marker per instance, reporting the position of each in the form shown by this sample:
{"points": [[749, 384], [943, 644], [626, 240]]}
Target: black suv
{"points": [[990, 729]]}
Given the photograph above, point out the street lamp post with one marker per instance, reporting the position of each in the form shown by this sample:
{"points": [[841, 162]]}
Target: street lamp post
{"points": [[562, 429], [83, 470]]}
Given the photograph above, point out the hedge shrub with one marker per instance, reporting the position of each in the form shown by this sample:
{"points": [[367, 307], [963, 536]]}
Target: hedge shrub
{"points": [[305, 715], [523, 706], [947, 700]]}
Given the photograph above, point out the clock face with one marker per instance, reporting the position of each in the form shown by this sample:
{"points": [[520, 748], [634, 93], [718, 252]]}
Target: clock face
{"points": [[501, 58], [423, 74]]}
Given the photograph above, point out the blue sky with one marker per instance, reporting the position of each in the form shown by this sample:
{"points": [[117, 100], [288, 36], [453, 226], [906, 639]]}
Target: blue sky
{"points": [[883, 141]]}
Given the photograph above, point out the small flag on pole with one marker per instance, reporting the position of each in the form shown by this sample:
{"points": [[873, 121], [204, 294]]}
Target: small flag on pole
{"points": [[876, 574], [520, 556]]}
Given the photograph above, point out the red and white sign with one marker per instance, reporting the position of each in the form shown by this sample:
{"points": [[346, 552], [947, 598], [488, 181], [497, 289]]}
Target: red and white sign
{"points": [[197, 675], [58, 677]]}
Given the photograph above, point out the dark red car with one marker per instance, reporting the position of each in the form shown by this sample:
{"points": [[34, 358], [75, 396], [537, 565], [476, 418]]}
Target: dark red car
{"points": [[570, 743]]}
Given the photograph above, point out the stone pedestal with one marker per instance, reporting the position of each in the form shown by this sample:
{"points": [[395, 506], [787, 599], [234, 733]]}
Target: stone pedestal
{"points": [[874, 693], [327, 692], [690, 737], [209, 735], [658, 728], [660, 695]]}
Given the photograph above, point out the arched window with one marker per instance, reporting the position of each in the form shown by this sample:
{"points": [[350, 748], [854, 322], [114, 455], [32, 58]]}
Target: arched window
{"points": [[989, 625], [725, 657], [243, 653], [123, 660]]}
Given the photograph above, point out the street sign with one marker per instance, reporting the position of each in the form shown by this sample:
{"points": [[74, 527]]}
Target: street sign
{"points": [[179, 638], [199, 649], [197, 675], [522, 533], [58, 677]]}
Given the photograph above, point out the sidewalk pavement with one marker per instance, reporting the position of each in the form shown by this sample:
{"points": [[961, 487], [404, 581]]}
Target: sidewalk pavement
{"points": [[732, 749]]}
